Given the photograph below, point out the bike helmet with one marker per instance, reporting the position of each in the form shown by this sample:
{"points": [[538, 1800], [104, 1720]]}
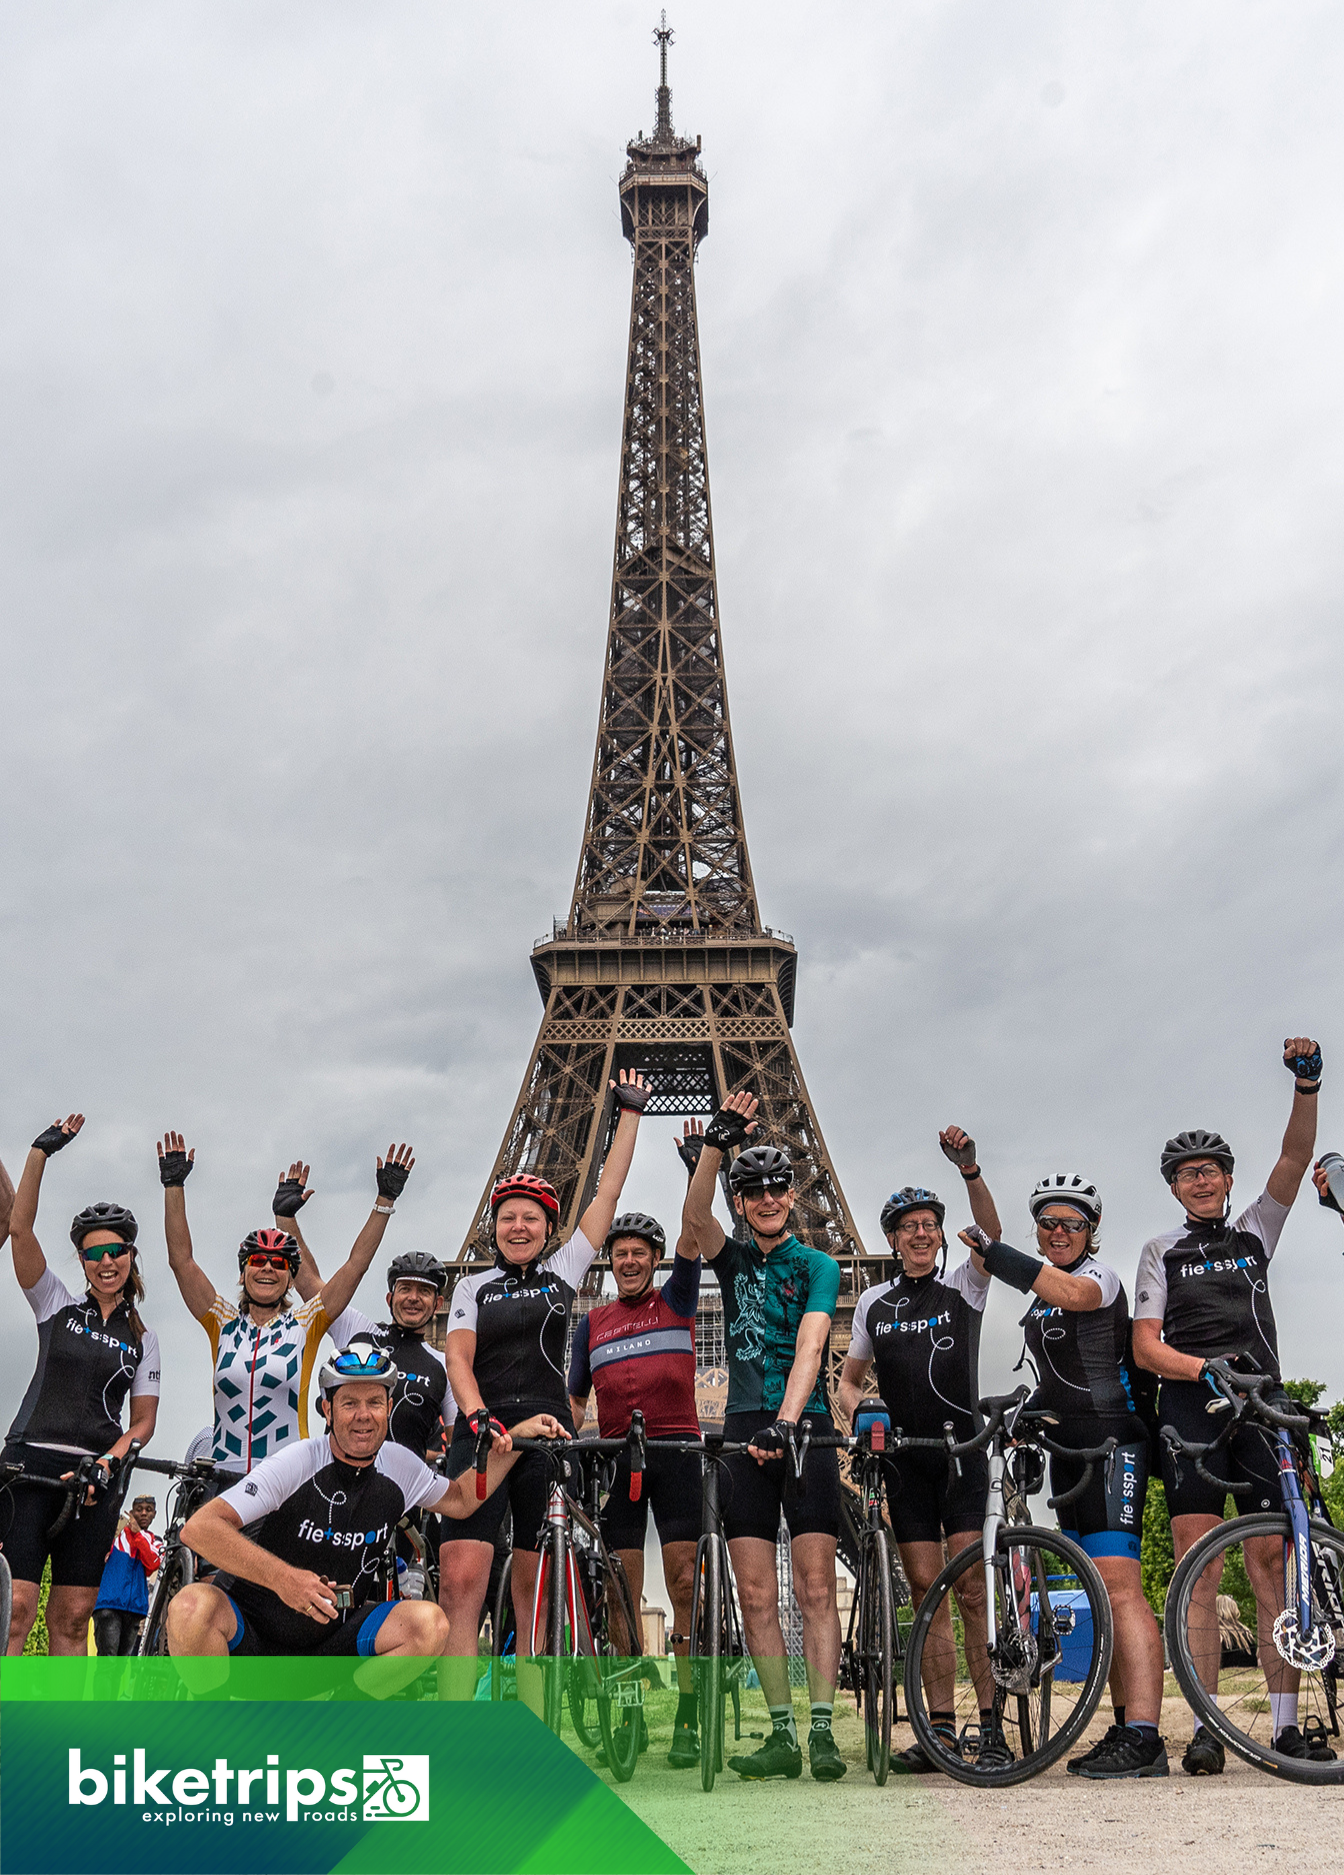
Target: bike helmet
{"points": [[911, 1198], [360, 1361], [1195, 1144], [759, 1167], [524, 1185], [1067, 1188], [416, 1266], [277, 1242], [114, 1217], [639, 1224]]}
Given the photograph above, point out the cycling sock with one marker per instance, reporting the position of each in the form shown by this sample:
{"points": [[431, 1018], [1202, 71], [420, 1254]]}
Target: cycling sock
{"points": [[1146, 1732], [821, 1715], [687, 1710], [781, 1718], [1119, 1715], [986, 1718], [1282, 1711]]}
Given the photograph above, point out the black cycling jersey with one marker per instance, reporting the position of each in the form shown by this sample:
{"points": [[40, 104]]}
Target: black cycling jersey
{"points": [[421, 1400], [519, 1315], [85, 1368], [315, 1512], [1081, 1356], [1208, 1285], [924, 1334]]}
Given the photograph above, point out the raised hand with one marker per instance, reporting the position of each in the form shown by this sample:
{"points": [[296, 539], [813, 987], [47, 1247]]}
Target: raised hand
{"points": [[58, 1134], [958, 1146], [1302, 1057], [394, 1171], [175, 1162], [291, 1191], [734, 1123], [632, 1093], [691, 1144]]}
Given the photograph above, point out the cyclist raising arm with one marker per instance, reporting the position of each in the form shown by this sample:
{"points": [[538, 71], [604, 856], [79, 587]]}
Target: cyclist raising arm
{"points": [[1202, 1294], [264, 1345], [93, 1351], [507, 1328]]}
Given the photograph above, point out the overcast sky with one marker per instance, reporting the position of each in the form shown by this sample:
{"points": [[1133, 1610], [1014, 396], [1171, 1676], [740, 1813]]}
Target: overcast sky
{"points": [[1021, 338]]}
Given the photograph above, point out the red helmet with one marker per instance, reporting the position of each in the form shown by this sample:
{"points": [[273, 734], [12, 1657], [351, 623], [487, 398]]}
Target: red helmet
{"points": [[523, 1185], [277, 1242]]}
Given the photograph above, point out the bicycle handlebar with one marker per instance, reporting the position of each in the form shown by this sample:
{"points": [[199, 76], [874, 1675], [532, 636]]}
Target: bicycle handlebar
{"points": [[187, 1468]]}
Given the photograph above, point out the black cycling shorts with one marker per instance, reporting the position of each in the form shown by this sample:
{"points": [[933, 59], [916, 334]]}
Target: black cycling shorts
{"points": [[27, 1512], [1249, 1457], [1107, 1519], [928, 1501], [753, 1495], [357, 1634], [671, 1487], [524, 1491]]}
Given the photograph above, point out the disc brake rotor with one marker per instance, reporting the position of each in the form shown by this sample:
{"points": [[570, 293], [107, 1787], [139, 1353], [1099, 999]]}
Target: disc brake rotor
{"points": [[1311, 1654], [1015, 1660]]}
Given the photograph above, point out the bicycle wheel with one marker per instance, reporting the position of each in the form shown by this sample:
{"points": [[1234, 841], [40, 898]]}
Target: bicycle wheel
{"points": [[1243, 1718], [6, 1601], [554, 1663], [502, 1632], [707, 1649], [619, 1707], [1047, 1669], [176, 1573], [876, 1619], [582, 1705]]}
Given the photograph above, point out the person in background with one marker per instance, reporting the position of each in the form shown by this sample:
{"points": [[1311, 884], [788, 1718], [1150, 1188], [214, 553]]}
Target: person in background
{"points": [[123, 1594]]}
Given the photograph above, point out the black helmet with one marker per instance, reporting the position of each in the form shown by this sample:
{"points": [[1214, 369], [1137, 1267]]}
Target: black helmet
{"points": [[758, 1167], [416, 1266], [911, 1198], [277, 1242], [1195, 1144], [639, 1224], [114, 1217]]}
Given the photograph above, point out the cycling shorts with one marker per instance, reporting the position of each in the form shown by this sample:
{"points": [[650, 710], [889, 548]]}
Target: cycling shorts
{"points": [[1107, 1520], [524, 1491], [357, 1634], [1250, 1457], [671, 1487], [754, 1495], [27, 1512], [928, 1501]]}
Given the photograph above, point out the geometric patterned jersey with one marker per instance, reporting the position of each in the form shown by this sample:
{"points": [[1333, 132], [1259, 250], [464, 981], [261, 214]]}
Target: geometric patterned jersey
{"points": [[261, 1378]]}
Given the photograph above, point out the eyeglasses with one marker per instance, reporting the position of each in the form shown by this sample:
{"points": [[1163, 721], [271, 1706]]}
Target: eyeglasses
{"points": [[113, 1250], [1199, 1174], [1073, 1225], [907, 1229], [264, 1260]]}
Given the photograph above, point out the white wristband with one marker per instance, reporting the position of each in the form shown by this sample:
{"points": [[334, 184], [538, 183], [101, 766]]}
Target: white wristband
{"points": [[384, 1210]]}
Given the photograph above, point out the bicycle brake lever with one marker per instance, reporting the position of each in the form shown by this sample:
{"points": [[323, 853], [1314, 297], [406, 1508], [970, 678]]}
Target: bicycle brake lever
{"points": [[954, 1461], [800, 1452], [638, 1455]]}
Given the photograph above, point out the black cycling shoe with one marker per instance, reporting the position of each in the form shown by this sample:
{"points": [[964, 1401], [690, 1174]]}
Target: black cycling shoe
{"points": [[823, 1755], [1204, 1756], [917, 1761], [777, 1757], [685, 1748], [993, 1753], [1309, 1743], [1095, 1751], [600, 1755], [1128, 1754]]}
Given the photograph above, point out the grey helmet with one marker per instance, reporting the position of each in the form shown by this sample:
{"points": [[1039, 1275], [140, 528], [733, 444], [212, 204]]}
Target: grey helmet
{"points": [[759, 1167], [416, 1266], [1195, 1144], [1068, 1188], [639, 1224]]}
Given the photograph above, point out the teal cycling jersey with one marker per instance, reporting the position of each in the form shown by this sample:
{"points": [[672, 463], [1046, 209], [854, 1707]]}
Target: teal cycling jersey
{"points": [[764, 1301]]}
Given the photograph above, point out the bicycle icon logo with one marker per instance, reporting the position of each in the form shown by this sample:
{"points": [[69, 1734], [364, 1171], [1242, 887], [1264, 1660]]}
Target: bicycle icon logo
{"points": [[396, 1789]]}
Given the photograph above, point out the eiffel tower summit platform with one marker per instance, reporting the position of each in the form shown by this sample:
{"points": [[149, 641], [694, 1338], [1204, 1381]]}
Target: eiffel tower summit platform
{"points": [[662, 963]]}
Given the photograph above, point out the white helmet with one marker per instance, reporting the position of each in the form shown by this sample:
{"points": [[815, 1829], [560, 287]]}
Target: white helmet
{"points": [[362, 1360], [1068, 1188]]}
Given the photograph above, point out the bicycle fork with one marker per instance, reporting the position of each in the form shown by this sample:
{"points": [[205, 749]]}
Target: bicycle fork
{"points": [[557, 1544], [1299, 1639]]}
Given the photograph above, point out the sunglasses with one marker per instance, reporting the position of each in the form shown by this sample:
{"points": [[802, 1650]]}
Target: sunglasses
{"points": [[369, 1366], [113, 1250], [1073, 1225], [264, 1260]]}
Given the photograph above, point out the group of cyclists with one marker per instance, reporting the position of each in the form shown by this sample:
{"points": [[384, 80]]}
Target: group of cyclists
{"points": [[292, 1544]]}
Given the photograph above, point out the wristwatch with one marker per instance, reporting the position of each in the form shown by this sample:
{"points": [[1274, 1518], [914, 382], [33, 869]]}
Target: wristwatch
{"points": [[384, 1210]]}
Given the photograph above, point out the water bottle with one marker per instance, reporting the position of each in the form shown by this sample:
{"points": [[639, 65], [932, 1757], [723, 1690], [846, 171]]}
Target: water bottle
{"points": [[410, 1581], [1332, 1164]]}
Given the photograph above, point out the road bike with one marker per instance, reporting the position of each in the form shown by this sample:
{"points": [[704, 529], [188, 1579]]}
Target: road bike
{"points": [[1018, 1623], [195, 1482], [872, 1646], [75, 1490], [1299, 1615]]}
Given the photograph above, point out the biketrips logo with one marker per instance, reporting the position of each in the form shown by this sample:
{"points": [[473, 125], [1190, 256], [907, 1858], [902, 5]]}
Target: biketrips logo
{"points": [[390, 1787]]}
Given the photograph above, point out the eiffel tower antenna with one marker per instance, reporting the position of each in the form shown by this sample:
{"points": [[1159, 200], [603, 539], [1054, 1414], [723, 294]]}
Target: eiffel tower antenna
{"points": [[662, 963]]}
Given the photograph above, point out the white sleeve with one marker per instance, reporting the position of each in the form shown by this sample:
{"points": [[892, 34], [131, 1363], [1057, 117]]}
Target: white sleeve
{"points": [[970, 1284], [47, 1295], [860, 1341], [573, 1260], [147, 1373], [1264, 1219], [417, 1483], [1150, 1284], [346, 1326], [463, 1312], [1104, 1277], [268, 1485]]}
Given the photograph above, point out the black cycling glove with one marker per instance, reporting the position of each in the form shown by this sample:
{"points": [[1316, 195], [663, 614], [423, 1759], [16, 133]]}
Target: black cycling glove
{"points": [[778, 1435], [630, 1097], [726, 1130], [690, 1146], [963, 1157], [1305, 1067], [289, 1198], [480, 1419], [392, 1179], [175, 1167], [52, 1139]]}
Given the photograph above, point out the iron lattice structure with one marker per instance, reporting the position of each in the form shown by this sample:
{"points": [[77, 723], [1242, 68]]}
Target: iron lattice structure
{"points": [[663, 964]]}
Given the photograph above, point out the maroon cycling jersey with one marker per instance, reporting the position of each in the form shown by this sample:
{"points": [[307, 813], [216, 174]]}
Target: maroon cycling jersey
{"points": [[642, 1354]]}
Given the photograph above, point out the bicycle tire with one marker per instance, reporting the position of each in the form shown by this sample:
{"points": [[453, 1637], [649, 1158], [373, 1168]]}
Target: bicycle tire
{"points": [[1040, 1545], [502, 1622], [176, 1574], [1243, 1693], [876, 1620], [618, 1723], [707, 1647], [555, 1664], [582, 1707], [6, 1601]]}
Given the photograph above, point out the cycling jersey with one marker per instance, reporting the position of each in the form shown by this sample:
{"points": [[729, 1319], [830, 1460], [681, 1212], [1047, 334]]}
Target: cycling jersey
{"points": [[924, 1334], [315, 1512], [765, 1298], [1081, 1356], [422, 1399], [261, 1378], [519, 1314], [641, 1353], [85, 1368], [1207, 1282]]}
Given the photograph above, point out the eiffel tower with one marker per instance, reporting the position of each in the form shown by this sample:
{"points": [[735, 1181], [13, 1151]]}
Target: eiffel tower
{"points": [[663, 964]]}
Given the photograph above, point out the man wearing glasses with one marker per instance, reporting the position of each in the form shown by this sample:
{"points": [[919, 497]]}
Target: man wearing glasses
{"points": [[1202, 1294]]}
